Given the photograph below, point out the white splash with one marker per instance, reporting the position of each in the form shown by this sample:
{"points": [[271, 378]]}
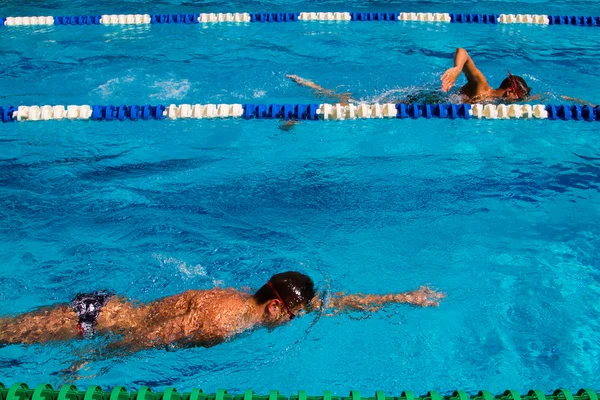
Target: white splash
{"points": [[171, 89], [389, 95], [111, 86], [184, 268], [258, 94]]}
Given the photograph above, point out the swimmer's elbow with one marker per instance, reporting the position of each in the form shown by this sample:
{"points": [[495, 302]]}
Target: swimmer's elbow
{"points": [[464, 53]]}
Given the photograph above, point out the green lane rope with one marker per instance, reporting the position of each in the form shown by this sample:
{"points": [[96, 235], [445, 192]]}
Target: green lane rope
{"points": [[44, 391]]}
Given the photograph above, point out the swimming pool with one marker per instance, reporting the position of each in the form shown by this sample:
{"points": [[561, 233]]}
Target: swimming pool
{"points": [[501, 215]]}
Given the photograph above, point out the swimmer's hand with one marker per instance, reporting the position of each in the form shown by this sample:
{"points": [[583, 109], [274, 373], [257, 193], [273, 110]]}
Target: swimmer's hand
{"points": [[449, 78], [305, 82], [320, 91], [296, 79], [423, 297]]}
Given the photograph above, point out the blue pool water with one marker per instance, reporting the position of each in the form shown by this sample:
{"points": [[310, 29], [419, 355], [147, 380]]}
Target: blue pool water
{"points": [[502, 216]]}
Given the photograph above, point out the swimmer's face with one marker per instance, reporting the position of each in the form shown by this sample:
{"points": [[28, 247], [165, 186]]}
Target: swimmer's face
{"points": [[510, 94], [514, 88], [275, 313]]}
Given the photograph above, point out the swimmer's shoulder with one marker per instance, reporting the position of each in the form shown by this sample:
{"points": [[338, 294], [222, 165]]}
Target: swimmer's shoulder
{"points": [[219, 315], [215, 294], [215, 304], [474, 90]]}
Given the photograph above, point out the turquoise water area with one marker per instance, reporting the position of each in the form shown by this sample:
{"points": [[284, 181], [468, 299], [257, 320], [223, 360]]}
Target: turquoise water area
{"points": [[502, 216]]}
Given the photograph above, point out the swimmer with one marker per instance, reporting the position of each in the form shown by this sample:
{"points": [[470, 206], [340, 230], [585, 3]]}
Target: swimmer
{"points": [[477, 88], [192, 318]]}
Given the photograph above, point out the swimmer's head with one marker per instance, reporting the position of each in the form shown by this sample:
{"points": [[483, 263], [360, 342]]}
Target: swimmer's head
{"points": [[514, 88], [283, 296]]}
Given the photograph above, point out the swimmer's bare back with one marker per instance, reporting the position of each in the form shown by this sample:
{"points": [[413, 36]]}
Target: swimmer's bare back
{"points": [[192, 318], [195, 317]]}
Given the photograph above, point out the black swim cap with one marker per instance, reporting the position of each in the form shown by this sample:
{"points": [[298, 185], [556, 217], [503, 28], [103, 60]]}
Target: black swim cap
{"points": [[293, 287]]}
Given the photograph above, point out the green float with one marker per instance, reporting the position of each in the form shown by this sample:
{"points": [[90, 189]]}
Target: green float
{"points": [[44, 391]]}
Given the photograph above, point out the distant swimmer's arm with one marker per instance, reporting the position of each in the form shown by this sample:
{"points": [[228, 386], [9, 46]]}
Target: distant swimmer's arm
{"points": [[319, 91], [462, 63], [578, 101], [423, 297]]}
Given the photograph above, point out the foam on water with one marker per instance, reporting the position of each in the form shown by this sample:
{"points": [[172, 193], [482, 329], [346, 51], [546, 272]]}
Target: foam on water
{"points": [[112, 86], [171, 89]]}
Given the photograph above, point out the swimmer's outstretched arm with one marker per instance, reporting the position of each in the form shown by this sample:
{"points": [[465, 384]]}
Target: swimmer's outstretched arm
{"points": [[423, 297], [578, 101], [320, 91], [567, 98], [462, 63]]}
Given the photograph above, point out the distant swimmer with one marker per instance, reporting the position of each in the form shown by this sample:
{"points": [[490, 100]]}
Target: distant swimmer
{"points": [[477, 89], [192, 318]]}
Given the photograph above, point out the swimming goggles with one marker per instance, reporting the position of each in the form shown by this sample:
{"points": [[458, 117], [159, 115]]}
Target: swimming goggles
{"points": [[515, 85], [291, 314]]}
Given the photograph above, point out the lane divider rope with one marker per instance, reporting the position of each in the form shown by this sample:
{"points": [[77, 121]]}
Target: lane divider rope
{"points": [[203, 18], [298, 112], [45, 391]]}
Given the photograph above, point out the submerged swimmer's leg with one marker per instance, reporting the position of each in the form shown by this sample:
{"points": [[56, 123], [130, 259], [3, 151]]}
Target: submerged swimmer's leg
{"points": [[342, 98], [287, 125], [41, 326], [55, 323]]}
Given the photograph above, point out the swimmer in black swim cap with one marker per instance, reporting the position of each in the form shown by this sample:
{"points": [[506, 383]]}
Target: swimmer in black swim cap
{"points": [[194, 317]]}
